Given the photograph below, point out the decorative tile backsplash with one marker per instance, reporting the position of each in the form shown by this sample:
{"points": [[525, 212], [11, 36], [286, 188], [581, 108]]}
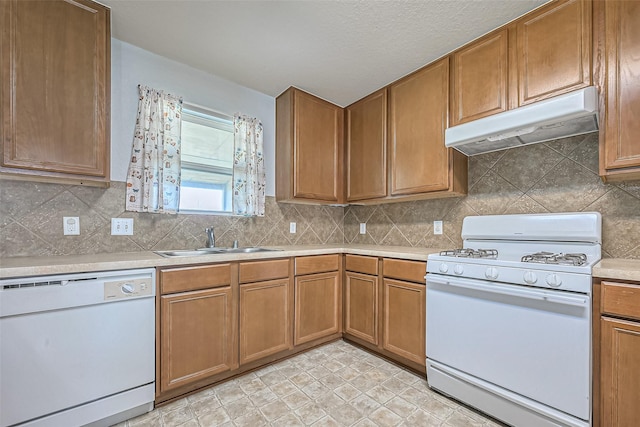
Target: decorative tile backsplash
{"points": [[559, 176]]}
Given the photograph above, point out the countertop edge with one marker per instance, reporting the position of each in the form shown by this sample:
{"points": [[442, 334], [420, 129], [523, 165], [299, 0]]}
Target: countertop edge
{"points": [[617, 269], [68, 264]]}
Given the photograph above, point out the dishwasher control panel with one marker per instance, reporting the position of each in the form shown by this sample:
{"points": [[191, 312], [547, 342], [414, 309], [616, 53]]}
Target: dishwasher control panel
{"points": [[127, 288]]}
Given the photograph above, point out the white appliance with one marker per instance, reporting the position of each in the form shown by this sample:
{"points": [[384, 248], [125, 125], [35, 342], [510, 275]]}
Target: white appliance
{"points": [[77, 349], [574, 113], [509, 317]]}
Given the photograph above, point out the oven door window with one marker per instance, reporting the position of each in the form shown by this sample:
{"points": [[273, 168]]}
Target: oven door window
{"points": [[533, 342]]}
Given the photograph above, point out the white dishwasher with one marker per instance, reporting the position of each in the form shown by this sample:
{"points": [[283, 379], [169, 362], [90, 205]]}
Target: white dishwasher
{"points": [[77, 349]]}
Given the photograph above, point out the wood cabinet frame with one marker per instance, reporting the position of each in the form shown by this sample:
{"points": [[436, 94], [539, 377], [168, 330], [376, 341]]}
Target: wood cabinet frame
{"points": [[55, 145]]}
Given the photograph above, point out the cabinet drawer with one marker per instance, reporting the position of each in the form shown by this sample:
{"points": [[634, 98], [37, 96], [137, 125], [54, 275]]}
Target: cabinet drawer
{"points": [[362, 264], [193, 278], [621, 299], [263, 270], [317, 264], [412, 271]]}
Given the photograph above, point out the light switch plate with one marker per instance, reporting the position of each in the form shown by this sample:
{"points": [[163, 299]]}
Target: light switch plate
{"points": [[292, 227], [122, 226], [71, 225], [363, 228], [437, 227]]}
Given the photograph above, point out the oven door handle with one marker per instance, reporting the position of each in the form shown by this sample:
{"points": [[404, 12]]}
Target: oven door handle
{"points": [[539, 295]]}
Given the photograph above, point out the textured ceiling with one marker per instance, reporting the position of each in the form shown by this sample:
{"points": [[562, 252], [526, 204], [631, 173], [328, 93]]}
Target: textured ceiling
{"points": [[338, 50]]}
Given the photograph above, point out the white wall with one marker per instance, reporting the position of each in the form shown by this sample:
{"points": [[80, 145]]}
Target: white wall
{"points": [[131, 65]]}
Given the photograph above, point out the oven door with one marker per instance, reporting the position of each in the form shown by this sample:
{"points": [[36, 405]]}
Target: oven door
{"points": [[534, 343]]}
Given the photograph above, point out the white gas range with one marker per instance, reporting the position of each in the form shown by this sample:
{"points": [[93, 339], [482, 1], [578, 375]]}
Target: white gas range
{"points": [[509, 317]]}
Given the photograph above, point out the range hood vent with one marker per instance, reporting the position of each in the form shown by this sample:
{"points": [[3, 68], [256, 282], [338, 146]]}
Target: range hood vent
{"points": [[574, 113]]}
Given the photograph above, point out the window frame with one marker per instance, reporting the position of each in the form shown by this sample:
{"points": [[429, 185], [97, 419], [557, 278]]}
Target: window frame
{"points": [[207, 115]]}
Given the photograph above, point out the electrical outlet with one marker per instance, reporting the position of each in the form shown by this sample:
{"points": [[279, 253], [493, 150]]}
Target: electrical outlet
{"points": [[437, 227], [363, 228], [122, 226], [292, 227], [71, 225]]}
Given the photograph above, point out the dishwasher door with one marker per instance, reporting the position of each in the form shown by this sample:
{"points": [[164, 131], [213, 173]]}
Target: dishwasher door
{"points": [[68, 341]]}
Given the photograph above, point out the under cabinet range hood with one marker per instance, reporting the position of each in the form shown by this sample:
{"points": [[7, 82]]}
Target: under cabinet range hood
{"points": [[574, 113]]}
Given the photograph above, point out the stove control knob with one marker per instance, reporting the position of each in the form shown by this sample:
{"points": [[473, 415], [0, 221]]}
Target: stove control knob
{"points": [[443, 268], [530, 277], [458, 269], [554, 280], [491, 273]]}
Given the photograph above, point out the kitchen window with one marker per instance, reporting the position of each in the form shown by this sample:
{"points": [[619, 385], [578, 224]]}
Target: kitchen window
{"points": [[207, 161]]}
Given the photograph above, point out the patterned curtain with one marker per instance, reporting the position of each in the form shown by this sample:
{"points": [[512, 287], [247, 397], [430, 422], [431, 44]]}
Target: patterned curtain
{"points": [[248, 167], [153, 181]]}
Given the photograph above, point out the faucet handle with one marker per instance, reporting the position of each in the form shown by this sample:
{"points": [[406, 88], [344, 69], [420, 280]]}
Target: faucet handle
{"points": [[235, 244]]}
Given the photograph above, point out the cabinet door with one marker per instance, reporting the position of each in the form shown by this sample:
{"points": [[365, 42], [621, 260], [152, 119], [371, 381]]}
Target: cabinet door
{"points": [[418, 106], [55, 88], [309, 148], [620, 145], [361, 306], [367, 147], [480, 79], [404, 314], [620, 372], [554, 50], [197, 336], [265, 319], [317, 306]]}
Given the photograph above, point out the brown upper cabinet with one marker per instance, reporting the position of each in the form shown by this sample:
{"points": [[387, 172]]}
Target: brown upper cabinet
{"points": [[480, 78], [618, 70], [543, 54], [407, 120], [554, 50], [419, 163], [55, 83], [309, 149], [366, 139]]}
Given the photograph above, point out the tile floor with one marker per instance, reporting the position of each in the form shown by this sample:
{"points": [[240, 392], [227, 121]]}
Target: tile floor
{"points": [[333, 385]]}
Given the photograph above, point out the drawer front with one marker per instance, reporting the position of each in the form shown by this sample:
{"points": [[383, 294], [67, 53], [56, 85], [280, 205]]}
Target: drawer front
{"points": [[362, 264], [621, 299], [317, 264], [264, 270], [193, 278], [412, 271]]}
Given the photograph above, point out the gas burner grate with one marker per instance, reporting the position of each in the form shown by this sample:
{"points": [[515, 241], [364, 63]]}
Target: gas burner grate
{"points": [[471, 253], [557, 258]]}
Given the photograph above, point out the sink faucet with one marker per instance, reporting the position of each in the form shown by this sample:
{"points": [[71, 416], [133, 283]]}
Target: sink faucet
{"points": [[211, 238]]}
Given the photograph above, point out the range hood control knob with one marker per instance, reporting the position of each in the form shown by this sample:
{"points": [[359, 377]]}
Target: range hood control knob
{"points": [[443, 268], [530, 277], [554, 280], [491, 273], [458, 269]]}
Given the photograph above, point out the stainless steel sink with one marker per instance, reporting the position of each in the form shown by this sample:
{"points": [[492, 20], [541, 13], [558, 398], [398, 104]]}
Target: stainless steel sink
{"points": [[182, 253], [249, 250], [211, 251]]}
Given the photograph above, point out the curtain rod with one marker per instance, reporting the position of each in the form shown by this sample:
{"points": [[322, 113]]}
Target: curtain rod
{"points": [[208, 110]]}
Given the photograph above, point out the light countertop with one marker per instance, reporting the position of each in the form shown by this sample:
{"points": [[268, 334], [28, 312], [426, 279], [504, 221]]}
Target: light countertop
{"points": [[47, 265], [617, 269]]}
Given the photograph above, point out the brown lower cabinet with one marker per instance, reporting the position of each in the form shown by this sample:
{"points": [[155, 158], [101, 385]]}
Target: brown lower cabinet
{"points": [[220, 320], [361, 306], [385, 307], [197, 334], [265, 319], [404, 319], [197, 325], [318, 298], [619, 355], [317, 306]]}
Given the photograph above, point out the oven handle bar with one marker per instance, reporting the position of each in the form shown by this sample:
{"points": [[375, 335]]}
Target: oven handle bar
{"points": [[541, 295]]}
